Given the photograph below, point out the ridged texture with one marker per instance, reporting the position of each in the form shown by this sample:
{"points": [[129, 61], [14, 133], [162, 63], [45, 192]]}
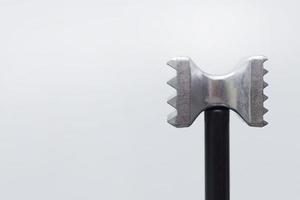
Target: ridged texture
{"points": [[173, 82], [182, 100], [172, 100], [265, 97]]}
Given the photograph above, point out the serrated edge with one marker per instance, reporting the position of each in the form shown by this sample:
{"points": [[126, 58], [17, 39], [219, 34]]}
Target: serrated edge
{"points": [[172, 118], [173, 82], [172, 63], [172, 101], [265, 123], [265, 97]]}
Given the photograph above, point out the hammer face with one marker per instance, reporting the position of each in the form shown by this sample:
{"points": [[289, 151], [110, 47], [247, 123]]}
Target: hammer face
{"points": [[240, 90]]}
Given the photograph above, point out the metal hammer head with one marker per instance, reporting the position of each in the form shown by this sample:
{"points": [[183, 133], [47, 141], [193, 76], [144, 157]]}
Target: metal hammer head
{"points": [[240, 90]]}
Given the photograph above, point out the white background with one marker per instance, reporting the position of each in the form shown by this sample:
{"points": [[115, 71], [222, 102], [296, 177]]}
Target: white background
{"points": [[83, 98]]}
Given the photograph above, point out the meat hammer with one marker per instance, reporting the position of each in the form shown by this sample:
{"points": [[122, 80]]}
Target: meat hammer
{"points": [[241, 90]]}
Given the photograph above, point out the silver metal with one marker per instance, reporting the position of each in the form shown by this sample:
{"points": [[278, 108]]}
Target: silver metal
{"points": [[240, 90]]}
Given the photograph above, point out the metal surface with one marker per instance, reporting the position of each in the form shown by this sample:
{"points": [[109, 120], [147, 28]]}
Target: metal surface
{"points": [[241, 90]]}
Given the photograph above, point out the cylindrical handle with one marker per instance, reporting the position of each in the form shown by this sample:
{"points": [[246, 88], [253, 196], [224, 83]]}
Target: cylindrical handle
{"points": [[217, 154]]}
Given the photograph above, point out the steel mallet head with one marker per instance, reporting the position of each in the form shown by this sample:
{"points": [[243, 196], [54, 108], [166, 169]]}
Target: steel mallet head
{"points": [[240, 90]]}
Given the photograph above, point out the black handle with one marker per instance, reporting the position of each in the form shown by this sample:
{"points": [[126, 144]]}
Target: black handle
{"points": [[217, 153]]}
